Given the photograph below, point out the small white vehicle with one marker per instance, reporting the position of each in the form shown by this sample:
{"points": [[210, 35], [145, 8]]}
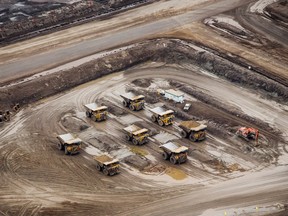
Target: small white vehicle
{"points": [[187, 107]]}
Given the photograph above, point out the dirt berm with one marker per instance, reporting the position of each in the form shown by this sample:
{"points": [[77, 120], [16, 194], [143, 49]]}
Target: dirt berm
{"points": [[161, 50], [278, 10]]}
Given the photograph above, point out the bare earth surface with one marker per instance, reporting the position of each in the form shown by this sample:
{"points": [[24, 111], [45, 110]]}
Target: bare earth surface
{"points": [[224, 174]]}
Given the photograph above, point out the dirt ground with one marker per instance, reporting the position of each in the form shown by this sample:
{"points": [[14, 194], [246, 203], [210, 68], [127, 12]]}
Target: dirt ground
{"points": [[221, 156], [225, 92], [22, 20]]}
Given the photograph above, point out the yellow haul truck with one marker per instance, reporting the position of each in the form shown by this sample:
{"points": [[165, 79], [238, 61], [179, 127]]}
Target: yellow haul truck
{"points": [[133, 101], [193, 130], [107, 165], [162, 116], [174, 152], [96, 113], [137, 135], [69, 143]]}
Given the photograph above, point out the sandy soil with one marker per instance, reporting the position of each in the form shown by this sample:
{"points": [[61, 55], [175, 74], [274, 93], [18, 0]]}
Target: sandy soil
{"points": [[28, 142], [223, 175], [94, 29]]}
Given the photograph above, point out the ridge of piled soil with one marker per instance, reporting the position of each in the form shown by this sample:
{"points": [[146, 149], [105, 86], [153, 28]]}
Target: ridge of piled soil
{"points": [[158, 50]]}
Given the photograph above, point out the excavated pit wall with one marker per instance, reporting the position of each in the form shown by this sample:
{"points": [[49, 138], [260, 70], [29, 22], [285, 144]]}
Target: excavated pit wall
{"points": [[163, 50]]}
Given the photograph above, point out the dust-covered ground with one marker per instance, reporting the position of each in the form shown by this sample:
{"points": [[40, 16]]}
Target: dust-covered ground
{"points": [[25, 19], [40, 179], [224, 174]]}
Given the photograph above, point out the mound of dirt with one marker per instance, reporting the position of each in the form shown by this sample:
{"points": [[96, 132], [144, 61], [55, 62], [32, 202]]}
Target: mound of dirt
{"points": [[151, 97], [121, 3], [136, 161], [104, 143], [112, 108], [154, 169], [144, 83], [230, 28], [222, 167], [73, 124]]}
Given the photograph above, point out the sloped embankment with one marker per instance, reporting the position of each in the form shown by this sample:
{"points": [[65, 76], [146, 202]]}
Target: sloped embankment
{"points": [[160, 50]]}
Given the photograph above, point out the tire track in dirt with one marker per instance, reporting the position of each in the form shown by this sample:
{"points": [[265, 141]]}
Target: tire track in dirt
{"points": [[63, 174], [102, 95], [155, 147], [11, 165]]}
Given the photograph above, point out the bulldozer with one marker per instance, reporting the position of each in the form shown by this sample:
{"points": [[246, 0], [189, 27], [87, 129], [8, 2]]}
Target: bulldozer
{"points": [[69, 143], [96, 113], [134, 102], [193, 130], [139, 136], [174, 152], [162, 116], [248, 133], [107, 165]]}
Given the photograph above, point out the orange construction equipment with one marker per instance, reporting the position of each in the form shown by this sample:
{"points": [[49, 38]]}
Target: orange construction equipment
{"points": [[248, 133]]}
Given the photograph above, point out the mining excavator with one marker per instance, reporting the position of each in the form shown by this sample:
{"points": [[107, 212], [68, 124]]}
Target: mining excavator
{"points": [[248, 133]]}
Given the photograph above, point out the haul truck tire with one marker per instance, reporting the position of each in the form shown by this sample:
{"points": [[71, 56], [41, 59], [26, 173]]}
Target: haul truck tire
{"points": [[183, 134], [173, 160], [165, 156]]}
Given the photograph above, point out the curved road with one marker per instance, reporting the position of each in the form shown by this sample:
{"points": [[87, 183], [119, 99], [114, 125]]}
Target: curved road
{"points": [[259, 188], [28, 178], [268, 186], [262, 25], [33, 64]]}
